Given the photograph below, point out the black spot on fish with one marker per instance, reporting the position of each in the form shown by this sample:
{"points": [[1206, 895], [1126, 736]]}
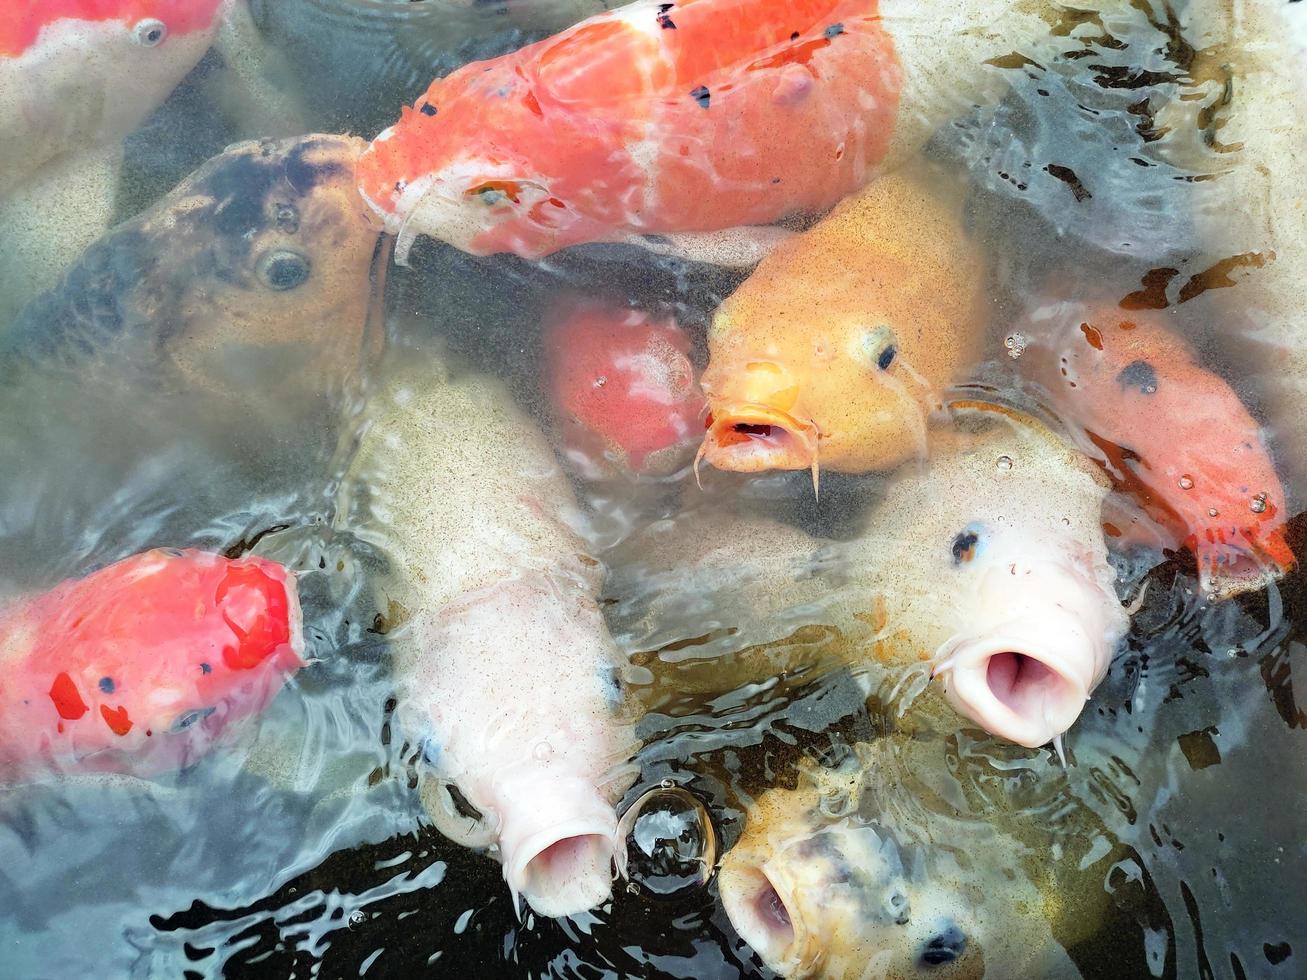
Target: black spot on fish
{"points": [[835, 30], [428, 109], [106, 685], [964, 547], [794, 36], [206, 669], [1138, 374], [664, 20], [701, 95], [303, 175]]}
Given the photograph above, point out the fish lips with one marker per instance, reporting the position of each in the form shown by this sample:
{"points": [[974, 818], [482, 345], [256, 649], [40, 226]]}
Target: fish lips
{"points": [[751, 438]]}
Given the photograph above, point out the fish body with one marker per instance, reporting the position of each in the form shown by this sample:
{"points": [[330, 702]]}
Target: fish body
{"points": [[623, 388], [689, 118], [507, 670], [140, 667], [1167, 430], [834, 351], [76, 74], [849, 876], [251, 276]]}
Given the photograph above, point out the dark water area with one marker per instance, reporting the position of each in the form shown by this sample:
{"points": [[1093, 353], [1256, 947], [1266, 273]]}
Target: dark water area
{"points": [[1173, 831]]}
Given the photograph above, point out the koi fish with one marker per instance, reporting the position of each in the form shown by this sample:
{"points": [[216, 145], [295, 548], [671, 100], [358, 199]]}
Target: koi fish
{"points": [[506, 667], [142, 666], [251, 275], [1170, 432], [623, 387], [81, 73], [835, 350], [687, 120]]}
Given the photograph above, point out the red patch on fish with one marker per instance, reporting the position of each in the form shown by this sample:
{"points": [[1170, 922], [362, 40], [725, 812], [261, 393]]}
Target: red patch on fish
{"points": [[22, 21], [67, 701], [116, 719], [747, 111], [622, 384], [165, 637]]}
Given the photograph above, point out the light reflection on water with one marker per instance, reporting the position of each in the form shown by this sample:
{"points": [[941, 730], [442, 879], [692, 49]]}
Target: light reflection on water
{"points": [[305, 844]]}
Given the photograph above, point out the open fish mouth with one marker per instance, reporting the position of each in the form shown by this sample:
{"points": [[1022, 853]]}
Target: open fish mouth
{"points": [[764, 912], [752, 438]]}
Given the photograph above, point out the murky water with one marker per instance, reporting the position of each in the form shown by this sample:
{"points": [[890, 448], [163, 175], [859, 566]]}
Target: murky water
{"points": [[1173, 837]]}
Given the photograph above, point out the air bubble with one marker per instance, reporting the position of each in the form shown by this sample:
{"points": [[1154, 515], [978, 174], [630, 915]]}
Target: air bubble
{"points": [[670, 845], [600, 381], [1015, 344], [1213, 512], [542, 751], [1258, 504], [1005, 462], [1186, 482]]}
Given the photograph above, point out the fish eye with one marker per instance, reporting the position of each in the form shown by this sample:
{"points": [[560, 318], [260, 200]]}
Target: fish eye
{"points": [[282, 269], [150, 32], [189, 718], [966, 546], [879, 346], [495, 192]]}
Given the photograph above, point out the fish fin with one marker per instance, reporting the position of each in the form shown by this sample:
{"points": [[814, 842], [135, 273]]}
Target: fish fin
{"points": [[1226, 570], [735, 248]]}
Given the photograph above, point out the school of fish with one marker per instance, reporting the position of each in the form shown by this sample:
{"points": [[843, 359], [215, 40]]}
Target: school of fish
{"points": [[781, 144]]}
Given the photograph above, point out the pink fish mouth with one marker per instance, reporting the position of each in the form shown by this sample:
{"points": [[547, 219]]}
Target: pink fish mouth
{"points": [[759, 907], [1024, 682], [750, 438]]}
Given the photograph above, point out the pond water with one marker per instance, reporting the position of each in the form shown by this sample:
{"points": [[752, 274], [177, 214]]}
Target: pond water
{"points": [[1171, 836]]}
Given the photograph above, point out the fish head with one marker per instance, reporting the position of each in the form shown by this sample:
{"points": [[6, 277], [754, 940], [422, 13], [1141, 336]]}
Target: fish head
{"points": [[1013, 596], [622, 387], [82, 73], [834, 392], [820, 895], [144, 665], [477, 163], [836, 349], [262, 264]]}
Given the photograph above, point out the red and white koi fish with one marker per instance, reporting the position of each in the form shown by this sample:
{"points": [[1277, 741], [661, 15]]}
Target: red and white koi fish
{"points": [[76, 74], [622, 387], [1168, 431], [685, 120], [140, 667]]}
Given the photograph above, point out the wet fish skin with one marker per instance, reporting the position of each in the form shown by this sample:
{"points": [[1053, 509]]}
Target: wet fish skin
{"points": [[695, 120], [506, 669], [253, 272], [143, 666], [832, 354]]}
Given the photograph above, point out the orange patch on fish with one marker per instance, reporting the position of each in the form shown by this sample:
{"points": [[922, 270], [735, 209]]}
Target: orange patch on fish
{"points": [[67, 701], [116, 719]]}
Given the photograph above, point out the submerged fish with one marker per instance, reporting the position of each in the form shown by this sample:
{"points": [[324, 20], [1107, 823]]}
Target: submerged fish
{"points": [[687, 119], [832, 880], [140, 667], [836, 348], [81, 73], [1167, 430], [622, 387], [507, 670], [249, 277]]}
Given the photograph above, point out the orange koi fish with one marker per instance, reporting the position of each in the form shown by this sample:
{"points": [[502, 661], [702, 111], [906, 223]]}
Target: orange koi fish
{"points": [[139, 667], [622, 388], [683, 119], [1170, 432]]}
